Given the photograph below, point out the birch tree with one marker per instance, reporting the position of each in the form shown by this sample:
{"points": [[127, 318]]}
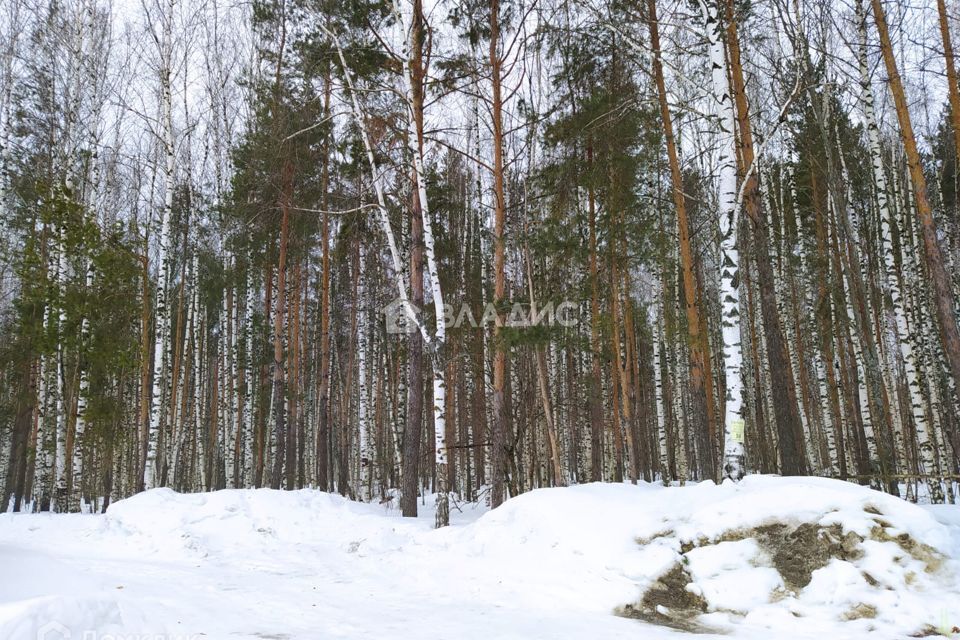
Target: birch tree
{"points": [[733, 465], [164, 43]]}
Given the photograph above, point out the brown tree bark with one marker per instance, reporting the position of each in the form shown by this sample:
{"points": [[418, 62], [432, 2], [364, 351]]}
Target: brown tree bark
{"points": [[412, 435], [500, 415], [954, 92], [699, 357], [15, 479], [323, 393], [623, 376]]}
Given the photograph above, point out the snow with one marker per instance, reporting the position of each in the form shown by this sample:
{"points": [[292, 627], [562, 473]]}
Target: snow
{"points": [[725, 575], [552, 563]]}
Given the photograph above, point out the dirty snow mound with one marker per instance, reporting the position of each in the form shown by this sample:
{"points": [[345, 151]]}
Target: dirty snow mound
{"points": [[801, 552]]}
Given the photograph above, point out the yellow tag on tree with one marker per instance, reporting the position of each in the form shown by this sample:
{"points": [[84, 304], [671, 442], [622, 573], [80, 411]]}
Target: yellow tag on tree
{"points": [[736, 431]]}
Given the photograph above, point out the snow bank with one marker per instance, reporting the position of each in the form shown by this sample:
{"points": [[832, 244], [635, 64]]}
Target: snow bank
{"points": [[591, 541], [251, 526], [551, 563]]}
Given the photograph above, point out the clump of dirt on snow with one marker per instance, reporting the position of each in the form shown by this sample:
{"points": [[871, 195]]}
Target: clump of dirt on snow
{"points": [[669, 602], [796, 552]]}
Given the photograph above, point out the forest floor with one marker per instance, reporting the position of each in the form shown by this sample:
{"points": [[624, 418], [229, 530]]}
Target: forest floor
{"points": [[768, 557]]}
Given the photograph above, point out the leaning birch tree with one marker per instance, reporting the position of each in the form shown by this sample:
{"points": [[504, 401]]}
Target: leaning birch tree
{"points": [[434, 342]]}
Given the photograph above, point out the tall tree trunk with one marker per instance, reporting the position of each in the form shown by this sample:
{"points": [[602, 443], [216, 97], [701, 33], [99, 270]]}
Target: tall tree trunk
{"points": [[699, 357], [413, 432], [162, 314], [733, 448], [501, 424], [323, 392], [279, 381], [437, 343], [622, 372], [293, 359], [365, 465]]}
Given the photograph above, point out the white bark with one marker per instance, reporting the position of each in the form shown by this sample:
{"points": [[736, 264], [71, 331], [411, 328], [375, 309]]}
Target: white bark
{"points": [[162, 315], [733, 466], [76, 497], [229, 379], [248, 381], [43, 463], [11, 16], [655, 325], [60, 435], [234, 478], [363, 422], [680, 377], [198, 419], [890, 270]]}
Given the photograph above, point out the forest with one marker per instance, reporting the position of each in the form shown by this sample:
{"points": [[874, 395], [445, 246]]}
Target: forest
{"points": [[404, 250]]}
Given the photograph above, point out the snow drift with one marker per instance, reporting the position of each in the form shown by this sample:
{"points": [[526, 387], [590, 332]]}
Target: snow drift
{"points": [[792, 558]]}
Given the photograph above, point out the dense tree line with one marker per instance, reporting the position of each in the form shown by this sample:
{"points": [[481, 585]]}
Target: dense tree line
{"points": [[741, 219]]}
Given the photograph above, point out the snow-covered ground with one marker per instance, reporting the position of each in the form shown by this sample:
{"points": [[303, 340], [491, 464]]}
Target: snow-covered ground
{"points": [[552, 564]]}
